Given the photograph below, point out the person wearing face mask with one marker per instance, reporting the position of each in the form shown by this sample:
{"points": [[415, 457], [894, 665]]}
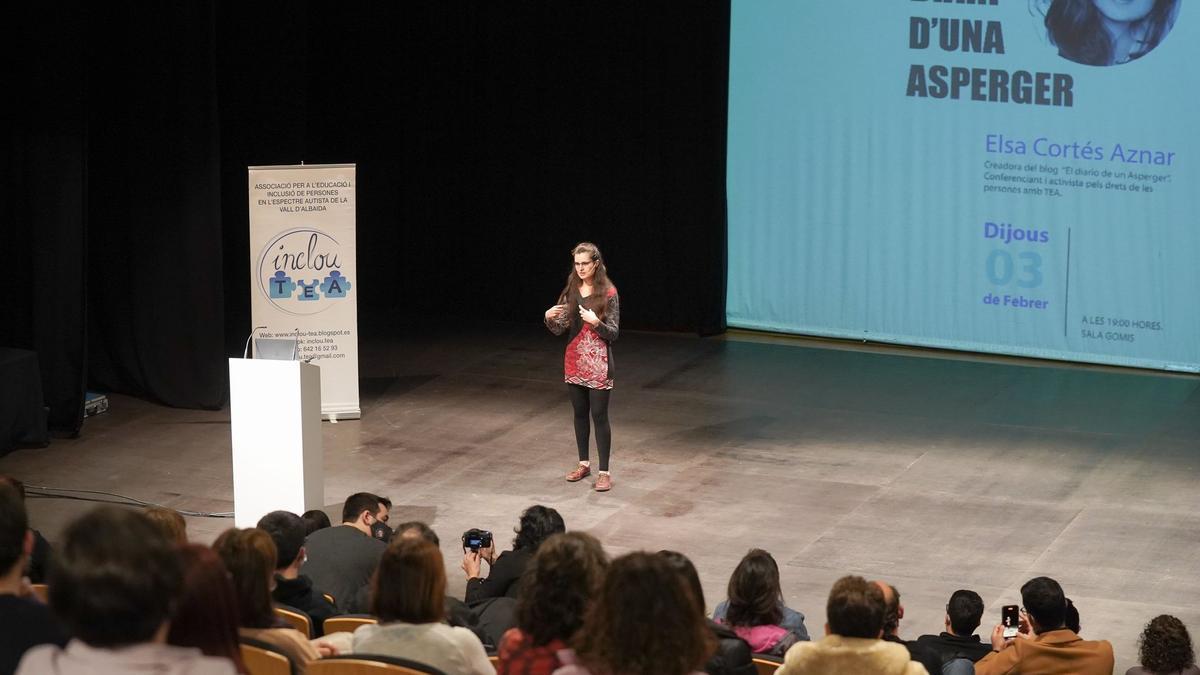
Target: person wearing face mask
{"points": [[292, 588], [381, 530], [589, 312], [341, 559]]}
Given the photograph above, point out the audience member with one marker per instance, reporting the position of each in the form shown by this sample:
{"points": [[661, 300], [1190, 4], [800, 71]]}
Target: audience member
{"points": [[314, 520], [37, 564], [170, 522], [291, 587], [1071, 620], [407, 596], [249, 555], [1165, 648], [790, 618], [415, 529], [537, 524], [1045, 644], [754, 608], [645, 621], [380, 529], [958, 641], [206, 616], [24, 622], [560, 582], [733, 656], [342, 559], [852, 644], [893, 611], [114, 583], [457, 612]]}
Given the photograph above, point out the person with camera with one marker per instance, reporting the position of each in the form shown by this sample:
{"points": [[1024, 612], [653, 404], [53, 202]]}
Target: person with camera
{"points": [[536, 525]]}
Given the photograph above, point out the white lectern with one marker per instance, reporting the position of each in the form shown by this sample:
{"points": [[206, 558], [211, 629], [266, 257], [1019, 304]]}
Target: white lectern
{"points": [[275, 411]]}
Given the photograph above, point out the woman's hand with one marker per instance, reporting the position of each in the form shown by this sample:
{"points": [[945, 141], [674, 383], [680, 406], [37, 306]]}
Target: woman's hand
{"points": [[555, 312], [488, 554], [470, 564], [589, 317], [325, 649]]}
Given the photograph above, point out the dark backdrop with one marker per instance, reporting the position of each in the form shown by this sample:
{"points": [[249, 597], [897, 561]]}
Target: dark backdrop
{"points": [[489, 138]]}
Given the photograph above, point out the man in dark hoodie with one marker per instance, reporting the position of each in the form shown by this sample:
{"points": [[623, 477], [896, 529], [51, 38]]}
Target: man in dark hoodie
{"points": [[292, 588]]}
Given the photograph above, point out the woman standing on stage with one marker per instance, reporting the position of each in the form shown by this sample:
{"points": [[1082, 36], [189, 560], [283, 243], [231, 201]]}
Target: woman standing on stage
{"points": [[588, 310]]}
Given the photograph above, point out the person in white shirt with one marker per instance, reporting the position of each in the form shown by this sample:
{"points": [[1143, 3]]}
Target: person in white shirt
{"points": [[409, 597]]}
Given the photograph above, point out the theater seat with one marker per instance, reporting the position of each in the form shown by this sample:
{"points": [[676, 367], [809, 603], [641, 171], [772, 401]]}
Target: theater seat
{"points": [[369, 664], [264, 659], [347, 622], [766, 665], [296, 619]]}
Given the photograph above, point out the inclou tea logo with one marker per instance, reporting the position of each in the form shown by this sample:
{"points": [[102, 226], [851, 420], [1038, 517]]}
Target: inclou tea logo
{"points": [[298, 272]]}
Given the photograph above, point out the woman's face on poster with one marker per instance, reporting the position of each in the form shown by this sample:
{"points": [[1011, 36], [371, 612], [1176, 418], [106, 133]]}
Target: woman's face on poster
{"points": [[1124, 11]]}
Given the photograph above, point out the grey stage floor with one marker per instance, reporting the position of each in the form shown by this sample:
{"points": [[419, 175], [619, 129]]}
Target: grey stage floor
{"points": [[933, 472]]}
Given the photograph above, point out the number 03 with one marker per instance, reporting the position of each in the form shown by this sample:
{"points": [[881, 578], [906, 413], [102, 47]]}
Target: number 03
{"points": [[1001, 268]]}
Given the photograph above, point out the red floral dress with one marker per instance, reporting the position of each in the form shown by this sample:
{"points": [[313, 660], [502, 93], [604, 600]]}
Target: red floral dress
{"points": [[519, 656], [588, 359]]}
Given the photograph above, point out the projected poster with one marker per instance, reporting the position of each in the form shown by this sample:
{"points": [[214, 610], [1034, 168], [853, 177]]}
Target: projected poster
{"points": [[1012, 176]]}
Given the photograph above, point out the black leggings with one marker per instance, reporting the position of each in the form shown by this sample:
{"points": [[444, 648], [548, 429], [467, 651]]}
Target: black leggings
{"points": [[595, 401]]}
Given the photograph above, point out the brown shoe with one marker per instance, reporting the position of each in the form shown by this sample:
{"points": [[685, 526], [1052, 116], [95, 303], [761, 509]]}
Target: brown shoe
{"points": [[582, 471], [603, 483]]}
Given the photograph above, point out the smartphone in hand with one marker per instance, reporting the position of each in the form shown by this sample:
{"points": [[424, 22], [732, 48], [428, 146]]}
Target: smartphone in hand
{"points": [[1010, 618]]}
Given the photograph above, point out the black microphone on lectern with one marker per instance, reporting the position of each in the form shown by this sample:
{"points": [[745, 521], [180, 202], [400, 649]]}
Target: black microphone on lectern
{"points": [[246, 351]]}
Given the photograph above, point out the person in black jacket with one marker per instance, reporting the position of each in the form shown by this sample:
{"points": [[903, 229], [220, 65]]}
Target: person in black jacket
{"points": [[537, 524], [963, 614], [733, 653], [37, 567], [292, 588], [24, 621]]}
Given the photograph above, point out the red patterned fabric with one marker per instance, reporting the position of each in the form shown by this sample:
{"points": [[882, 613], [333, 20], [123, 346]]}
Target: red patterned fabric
{"points": [[518, 655], [586, 360]]}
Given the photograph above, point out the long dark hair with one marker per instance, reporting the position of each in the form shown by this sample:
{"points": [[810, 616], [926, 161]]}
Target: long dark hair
{"points": [[1076, 28], [207, 614], [558, 586], [598, 300], [645, 621], [754, 593]]}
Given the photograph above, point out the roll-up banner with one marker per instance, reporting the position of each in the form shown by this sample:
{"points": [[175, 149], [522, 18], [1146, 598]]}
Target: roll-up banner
{"points": [[303, 271]]}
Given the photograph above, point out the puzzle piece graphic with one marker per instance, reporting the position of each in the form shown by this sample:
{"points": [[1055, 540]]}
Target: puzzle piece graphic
{"points": [[335, 285], [280, 286], [309, 291]]}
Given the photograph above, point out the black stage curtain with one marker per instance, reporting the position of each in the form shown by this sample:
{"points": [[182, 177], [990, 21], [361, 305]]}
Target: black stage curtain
{"points": [[45, 233], [155, 276], [489, 137]]}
